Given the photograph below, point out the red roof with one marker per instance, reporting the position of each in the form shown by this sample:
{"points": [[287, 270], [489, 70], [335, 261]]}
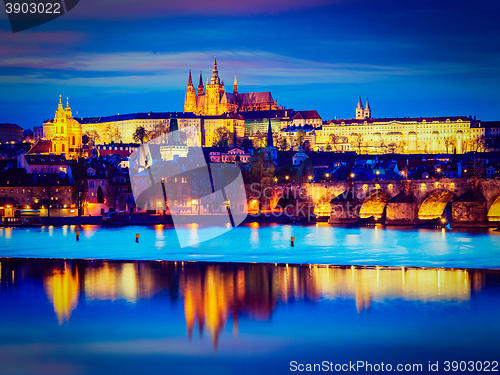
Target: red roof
{"points": [[306, 115]]}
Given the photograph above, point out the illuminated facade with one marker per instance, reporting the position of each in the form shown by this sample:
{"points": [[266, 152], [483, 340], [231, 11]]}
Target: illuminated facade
{"points": [[214, 100], [127, 124], [64, 132], [403, 135]]}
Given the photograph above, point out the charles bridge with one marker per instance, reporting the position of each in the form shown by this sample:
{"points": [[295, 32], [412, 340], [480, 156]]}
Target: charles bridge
{"points": [[463, 202]]}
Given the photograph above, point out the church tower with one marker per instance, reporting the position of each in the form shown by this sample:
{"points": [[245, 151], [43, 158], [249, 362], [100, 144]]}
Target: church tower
{"points": [[66, 132], [235, 86], [360, 111], [190, 98], [215, 90], [367, 112], [201, 88]]}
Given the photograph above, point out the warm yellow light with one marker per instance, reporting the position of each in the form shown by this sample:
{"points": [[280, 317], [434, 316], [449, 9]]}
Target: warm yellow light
{"points": [[443, 220], [327, 175], [310, 177], [286, 177], [377, 172], [465, 170], [438, 170], [352, 175], [275, 179], [193, 201]]}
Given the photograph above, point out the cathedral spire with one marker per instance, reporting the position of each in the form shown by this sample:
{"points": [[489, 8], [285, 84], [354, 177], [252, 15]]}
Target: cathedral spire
{"points": [[367, 106], [235, 86], [360, 105], [60, 103], [270, 131], [190, 81], [215, 73], [67, 103], [201, 88]]}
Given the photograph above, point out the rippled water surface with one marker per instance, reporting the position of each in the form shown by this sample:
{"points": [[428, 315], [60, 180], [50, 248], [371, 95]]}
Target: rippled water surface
{"points": [[319, 244], [157, 317]]}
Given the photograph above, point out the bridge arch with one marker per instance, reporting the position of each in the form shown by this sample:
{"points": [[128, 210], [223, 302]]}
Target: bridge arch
{"points": [[434, 204], [374, 204], [494, 208], [322, 205]]}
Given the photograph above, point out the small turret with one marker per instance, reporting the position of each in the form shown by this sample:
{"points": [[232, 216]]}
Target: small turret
{"points": [[201, 88]]}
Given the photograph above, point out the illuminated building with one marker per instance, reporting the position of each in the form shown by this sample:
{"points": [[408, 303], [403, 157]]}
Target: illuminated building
{"points": [[10, 133], [214, 100], [402, 135], [64, 132], [123, 127]]}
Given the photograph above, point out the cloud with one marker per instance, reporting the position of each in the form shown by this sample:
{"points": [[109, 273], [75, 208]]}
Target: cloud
{"points": [[137, 71]]}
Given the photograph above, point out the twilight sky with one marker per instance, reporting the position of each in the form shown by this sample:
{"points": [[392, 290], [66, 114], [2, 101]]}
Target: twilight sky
{"points": [[411, 58]]}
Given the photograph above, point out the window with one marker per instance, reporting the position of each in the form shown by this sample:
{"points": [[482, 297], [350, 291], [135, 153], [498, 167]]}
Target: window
{"points": [[184, 180]]}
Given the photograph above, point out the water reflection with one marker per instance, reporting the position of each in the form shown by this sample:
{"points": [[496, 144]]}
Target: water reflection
{"points": [[215, 293]]}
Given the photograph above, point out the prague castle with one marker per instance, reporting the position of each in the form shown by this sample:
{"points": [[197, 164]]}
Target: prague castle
{"points": [[214, 101]]}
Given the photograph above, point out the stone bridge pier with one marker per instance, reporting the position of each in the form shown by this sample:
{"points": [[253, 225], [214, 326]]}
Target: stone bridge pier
{"points": [[463, 202]]}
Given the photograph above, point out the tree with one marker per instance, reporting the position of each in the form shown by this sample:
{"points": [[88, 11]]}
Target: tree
{"points": [[245, 143], [113, 193], [300, 137], [80, 185], [333, 141], [47, 193], [282, 143], [259, 140], [450, 142], [85, 139], [392, 147], [140, 135], [111, 134], [305, 170], [222, 137], [94, 135], [357, 141], [261, 173]]}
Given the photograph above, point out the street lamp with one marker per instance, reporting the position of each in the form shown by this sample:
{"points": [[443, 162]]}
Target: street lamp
{"points": [[352, 175], [310, 178], [287, 177], [376, 174]]}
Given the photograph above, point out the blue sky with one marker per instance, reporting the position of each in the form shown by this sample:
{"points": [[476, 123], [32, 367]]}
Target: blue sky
{"points": [[410, 58]]}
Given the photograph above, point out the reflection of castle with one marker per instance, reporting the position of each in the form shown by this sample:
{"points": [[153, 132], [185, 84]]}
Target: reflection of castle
{"points": [[214, 101], [63, 289], [213, 294]]}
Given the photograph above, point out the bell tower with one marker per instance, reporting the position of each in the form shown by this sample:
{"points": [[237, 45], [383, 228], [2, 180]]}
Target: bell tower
{"points": [[360, 110]]}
